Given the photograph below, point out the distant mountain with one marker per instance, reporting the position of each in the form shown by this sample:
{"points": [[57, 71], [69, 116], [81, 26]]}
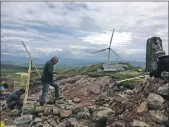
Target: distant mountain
{"points": [[63, 62]]}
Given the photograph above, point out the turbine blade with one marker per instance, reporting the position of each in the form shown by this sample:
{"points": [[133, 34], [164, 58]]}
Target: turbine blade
{"points": [[115, 53], [111, 38], [99, 51]]}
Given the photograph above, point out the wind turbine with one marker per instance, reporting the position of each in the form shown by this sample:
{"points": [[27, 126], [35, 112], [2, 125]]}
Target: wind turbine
{"points": [[109, 49]]}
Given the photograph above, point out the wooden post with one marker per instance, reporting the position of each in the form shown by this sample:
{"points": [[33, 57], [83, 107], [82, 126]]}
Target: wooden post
{"points": [[28, 81], [31, 59]]}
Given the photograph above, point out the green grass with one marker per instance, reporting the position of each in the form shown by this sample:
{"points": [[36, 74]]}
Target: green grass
{"points": [[11, 69], [89, 70]]}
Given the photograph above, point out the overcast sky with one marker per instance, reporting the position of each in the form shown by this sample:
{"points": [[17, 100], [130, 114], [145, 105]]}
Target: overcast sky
{"points": [[76, 29]]}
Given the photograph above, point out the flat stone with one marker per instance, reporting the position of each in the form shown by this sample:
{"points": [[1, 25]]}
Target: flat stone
{"points": [[155, 101], [76, 100], [56, 111], [38, 120], [61, 125], [47, 111], [143, 107], [164, 90], [65, 113], [15, 112], [39, 109], [39, 125], [157, 116], [137, 123]]}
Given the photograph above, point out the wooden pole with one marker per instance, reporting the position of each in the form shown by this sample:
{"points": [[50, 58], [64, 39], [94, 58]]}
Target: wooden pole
{"points": [[28, 81], [31, 59]]}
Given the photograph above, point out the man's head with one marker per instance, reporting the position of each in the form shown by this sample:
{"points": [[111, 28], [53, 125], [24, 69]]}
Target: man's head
{"points": [[22, 91], [54, 60]]}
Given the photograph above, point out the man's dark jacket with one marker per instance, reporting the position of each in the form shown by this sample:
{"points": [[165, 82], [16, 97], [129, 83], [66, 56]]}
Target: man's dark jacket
{"points": [[47, 75], [15, 96]]}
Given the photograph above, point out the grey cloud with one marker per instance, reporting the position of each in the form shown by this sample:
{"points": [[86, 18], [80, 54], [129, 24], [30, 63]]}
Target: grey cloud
{"points": [[143, 20]]}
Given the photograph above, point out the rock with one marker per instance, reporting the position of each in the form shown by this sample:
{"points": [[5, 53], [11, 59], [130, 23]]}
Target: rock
{"points": [[52, 122], [39, 125], [106, 105], [39, 109], [105, 113], [83, 115], [143, 107], [15, 112], [69, 107], [92, 109], [23, 119], [61, 125], [68, 124], [46, 125], [65, 113], [49, 99], [164, 90], [137, 123], [61, 101], [129, 92], [76, 110], [157, 116], [76, 100], [56, 111], [73, 121], [118, 124], [38, 120], [28, 109], [155, 101], [47, 111], [139, 70], [101, 117]]}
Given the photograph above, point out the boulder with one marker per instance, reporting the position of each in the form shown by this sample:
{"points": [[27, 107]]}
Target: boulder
{"points": [[164, 90], [15, 113], [47, 111], [38, 120], [143, 107], [46, 125], [118, 124], [83, 115], [129, 91], [157, 116], [65, 113], [23, 119], [155, 101], [73, 121], [76, 100], [101, 116], [76, 110], [39, 109], [50, 99], [39, 125], [137, 123], [56, 111], [61, 125], [52, 122]]}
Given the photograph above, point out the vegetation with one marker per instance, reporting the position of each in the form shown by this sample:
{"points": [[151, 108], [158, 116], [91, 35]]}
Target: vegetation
{"points": [[63, 73]]}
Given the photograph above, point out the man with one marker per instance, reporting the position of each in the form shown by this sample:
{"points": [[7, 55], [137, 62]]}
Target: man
{"points": [[47, 79], [14, 99]]}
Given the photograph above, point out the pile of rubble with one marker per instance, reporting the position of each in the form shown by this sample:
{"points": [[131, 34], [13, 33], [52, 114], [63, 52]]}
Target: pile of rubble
{"points": [[107, 104]]}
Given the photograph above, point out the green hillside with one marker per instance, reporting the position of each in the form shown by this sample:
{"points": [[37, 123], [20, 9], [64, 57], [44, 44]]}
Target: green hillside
{"points": [[63, 73]]}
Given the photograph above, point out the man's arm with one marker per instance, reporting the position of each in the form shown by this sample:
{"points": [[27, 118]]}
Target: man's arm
{"points": [[50, 70]]}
